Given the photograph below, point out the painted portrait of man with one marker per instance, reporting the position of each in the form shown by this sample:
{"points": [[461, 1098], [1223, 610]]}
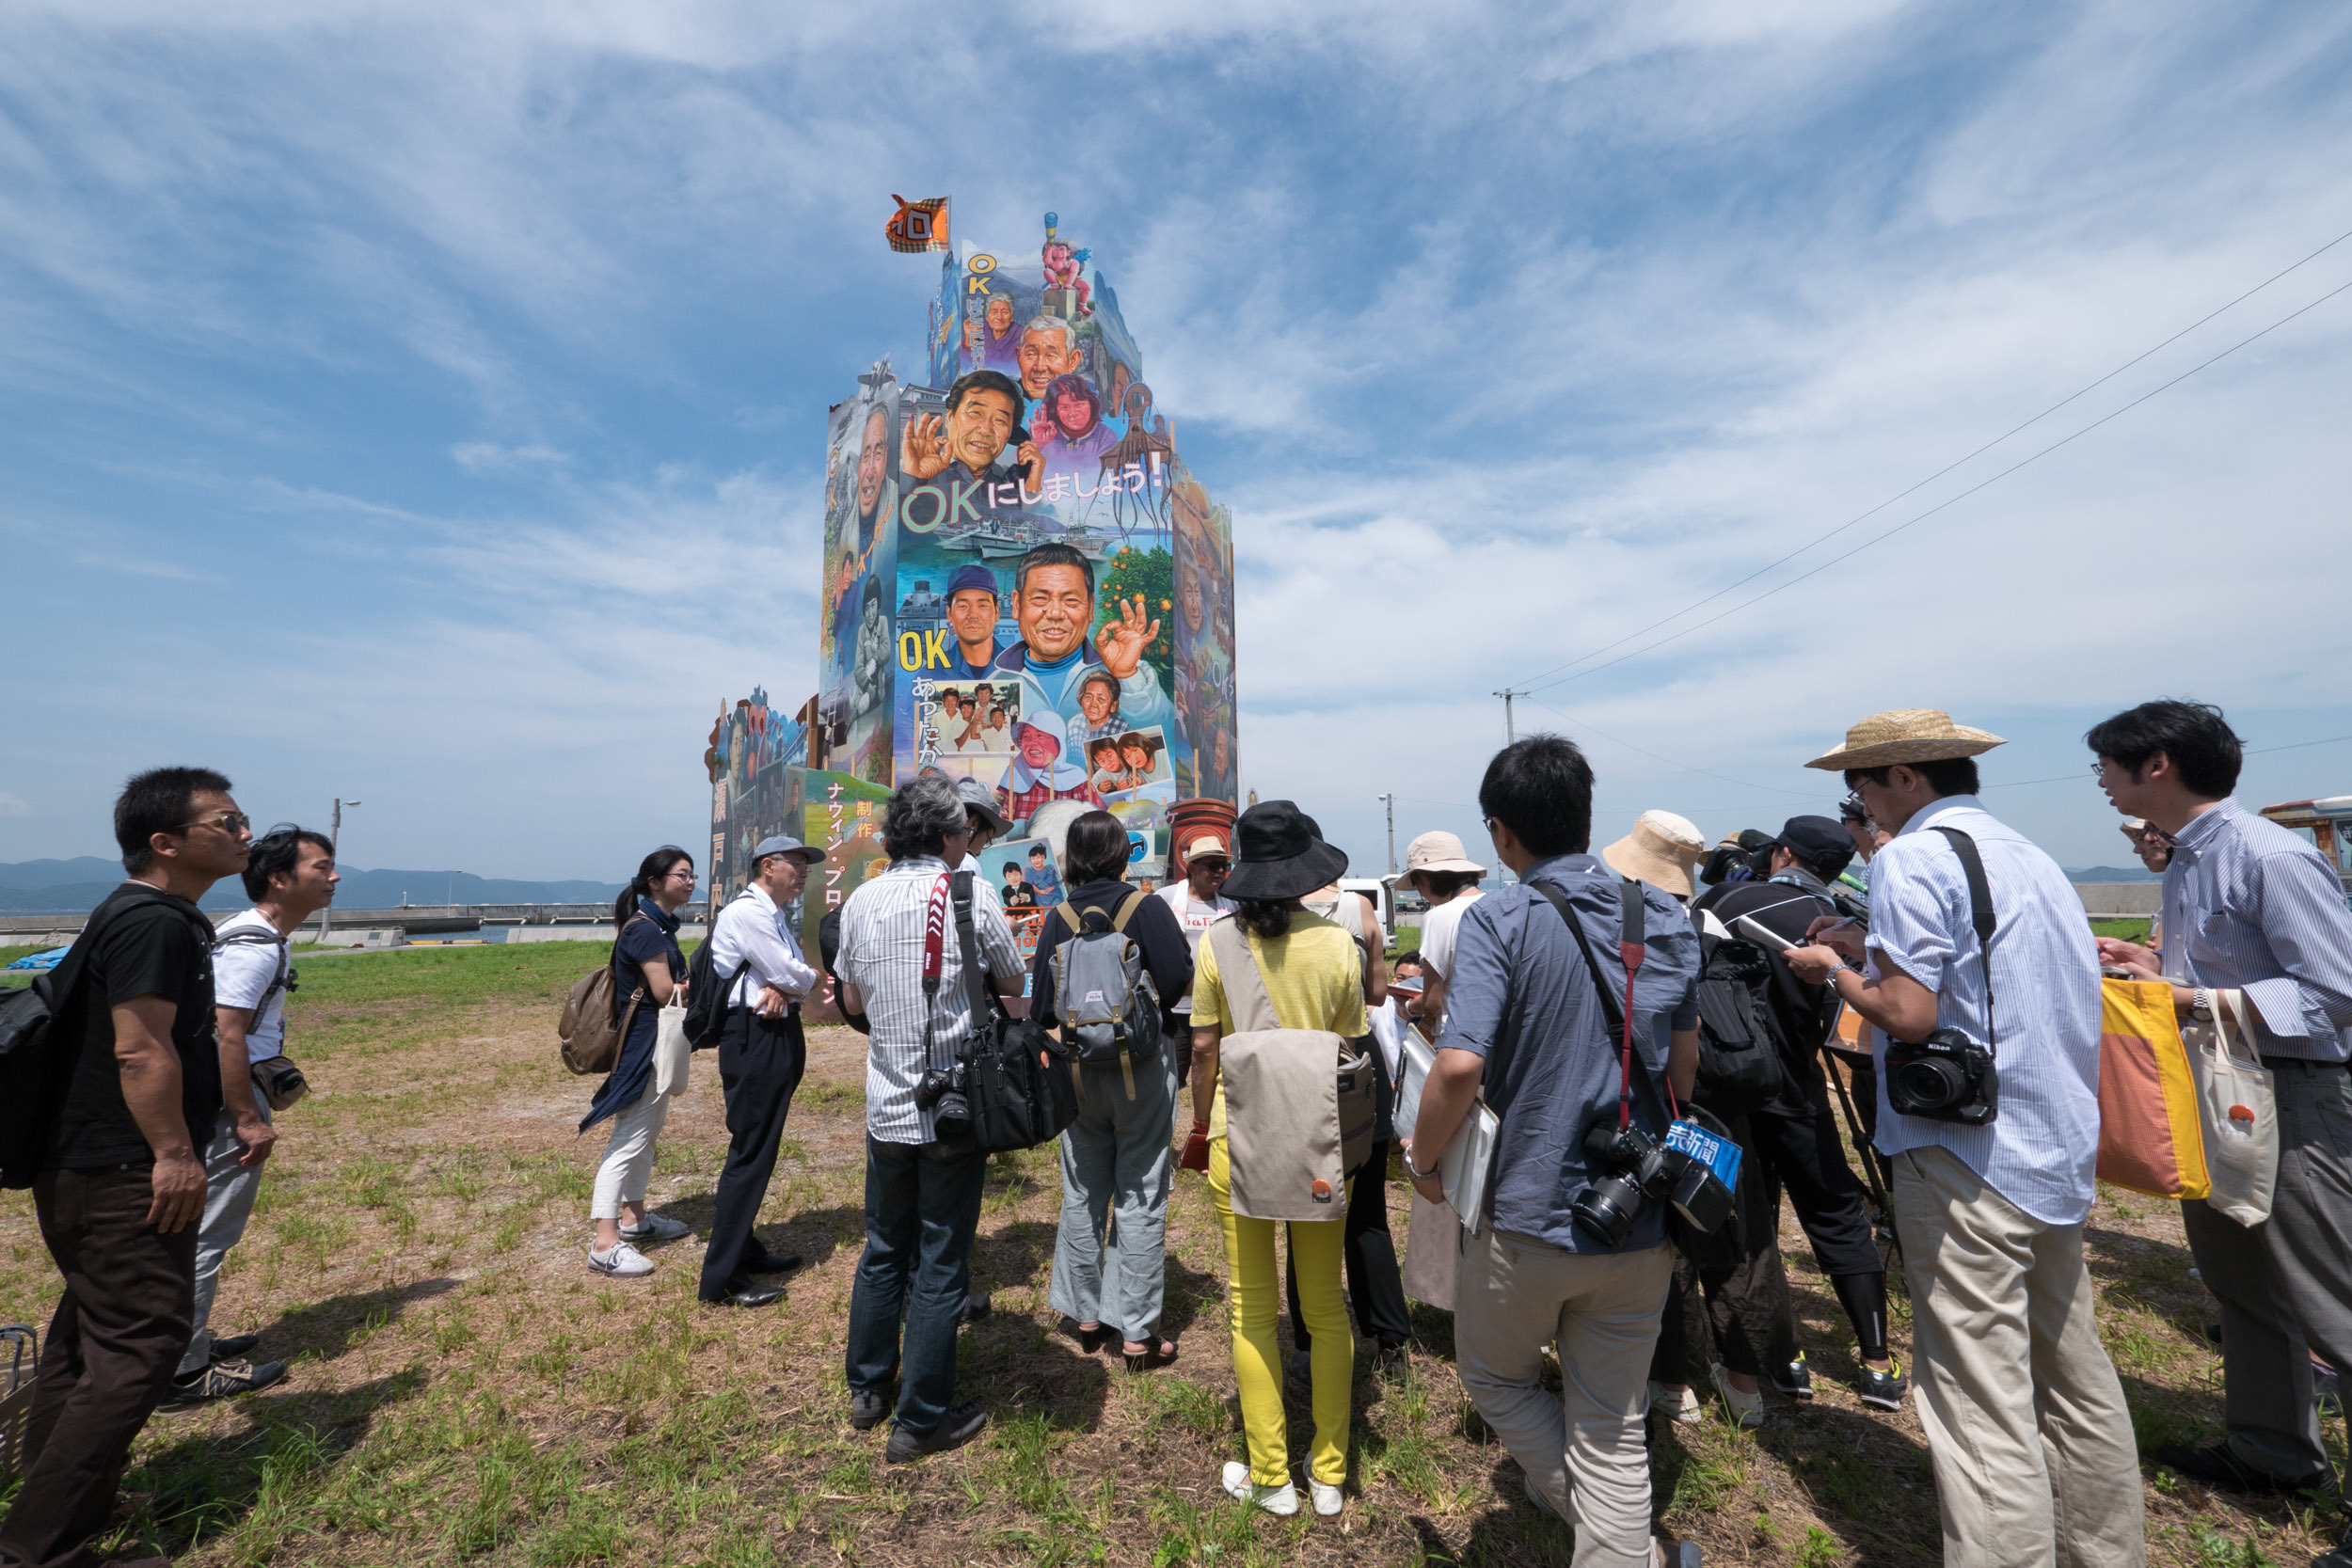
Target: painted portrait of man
{"points": [[1049, 348], [876, 493], [971, 615], [871, 674], [1054, 604], [984, 412]]}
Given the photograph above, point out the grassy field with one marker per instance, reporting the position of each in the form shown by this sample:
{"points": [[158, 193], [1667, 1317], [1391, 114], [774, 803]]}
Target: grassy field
{"points": [[464, 1390]]}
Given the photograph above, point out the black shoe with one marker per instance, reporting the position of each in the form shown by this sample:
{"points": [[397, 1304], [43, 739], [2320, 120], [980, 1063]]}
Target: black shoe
{"points": [[1794, 1380], [867, 1411], [235, 1346], [976, 1307], [2213, 1335], [2214, 1465], [1882, 1390], [771, 1262], [959, 1427], [747, 1295], [222, 1380], [2339, 1558]]}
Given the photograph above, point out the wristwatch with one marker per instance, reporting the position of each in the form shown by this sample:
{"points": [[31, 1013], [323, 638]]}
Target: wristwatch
{"points": [[2200, 1004], [1404, 1157]]}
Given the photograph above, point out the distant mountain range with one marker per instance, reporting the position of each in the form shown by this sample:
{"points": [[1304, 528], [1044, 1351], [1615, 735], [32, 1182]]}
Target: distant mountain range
{"points": [[2097, 874], [75, 886]]}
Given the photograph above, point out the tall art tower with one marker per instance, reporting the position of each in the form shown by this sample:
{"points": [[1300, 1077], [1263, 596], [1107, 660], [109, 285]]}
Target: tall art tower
{"points": [[1023, 584]]}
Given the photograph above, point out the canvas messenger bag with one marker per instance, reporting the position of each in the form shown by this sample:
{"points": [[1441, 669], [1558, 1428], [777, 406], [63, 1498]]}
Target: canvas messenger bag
{"points": [[1299, 1103]]}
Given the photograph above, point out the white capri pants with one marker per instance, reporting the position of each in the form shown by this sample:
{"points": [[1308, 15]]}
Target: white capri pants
{"points": [[627, 1164]]}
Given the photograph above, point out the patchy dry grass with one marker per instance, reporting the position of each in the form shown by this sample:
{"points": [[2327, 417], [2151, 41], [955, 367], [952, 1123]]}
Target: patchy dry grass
{"points": [[464, 1390]]}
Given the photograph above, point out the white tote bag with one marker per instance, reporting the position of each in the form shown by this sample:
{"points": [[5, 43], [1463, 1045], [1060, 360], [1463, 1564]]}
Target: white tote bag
{"points": [[671, 1050], [2237, 1110]]}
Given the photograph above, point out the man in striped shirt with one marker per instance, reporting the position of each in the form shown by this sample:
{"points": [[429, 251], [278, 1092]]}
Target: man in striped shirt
{"points": [[2250, 907], [922, 1195], [2041, 1469]]}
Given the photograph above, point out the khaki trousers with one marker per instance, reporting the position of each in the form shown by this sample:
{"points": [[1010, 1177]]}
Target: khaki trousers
{"points": [[2035, 1462], [1581, 1448]]}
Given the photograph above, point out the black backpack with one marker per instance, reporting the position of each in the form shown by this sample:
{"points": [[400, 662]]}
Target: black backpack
{"points": [[41, 1043], [1739, 1044], [706, 994]]}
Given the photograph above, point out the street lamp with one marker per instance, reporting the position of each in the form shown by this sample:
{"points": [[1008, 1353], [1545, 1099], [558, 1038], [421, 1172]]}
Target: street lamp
{"points": [[1391, 802], [334, 840]]}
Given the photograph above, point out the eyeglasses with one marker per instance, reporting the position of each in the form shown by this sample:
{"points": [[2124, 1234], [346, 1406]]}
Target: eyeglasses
{"points": [[228, 822]]}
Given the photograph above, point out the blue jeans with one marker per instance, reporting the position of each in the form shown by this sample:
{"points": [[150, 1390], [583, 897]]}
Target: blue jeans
{"points": [[922, 1208]]}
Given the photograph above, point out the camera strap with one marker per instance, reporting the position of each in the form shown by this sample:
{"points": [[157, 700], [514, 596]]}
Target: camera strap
{"points": [[1980, 916], [1632, 949], [934, 958]]}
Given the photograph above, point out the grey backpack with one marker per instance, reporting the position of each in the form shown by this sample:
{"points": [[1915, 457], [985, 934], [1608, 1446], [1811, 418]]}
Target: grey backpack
{"points": [[1110, 1008]]}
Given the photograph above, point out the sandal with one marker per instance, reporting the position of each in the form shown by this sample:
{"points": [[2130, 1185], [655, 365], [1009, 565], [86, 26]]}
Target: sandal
{"points": [[1091, 1340], [1161, 1353]]}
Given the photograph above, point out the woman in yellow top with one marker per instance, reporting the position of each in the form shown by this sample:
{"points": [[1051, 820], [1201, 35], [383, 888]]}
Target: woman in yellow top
{"points": [[1314, 977]]}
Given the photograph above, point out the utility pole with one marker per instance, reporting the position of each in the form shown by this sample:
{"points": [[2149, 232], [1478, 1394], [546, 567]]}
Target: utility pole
{"points": [[334, 839], [1389, 800], [1510, 732]]}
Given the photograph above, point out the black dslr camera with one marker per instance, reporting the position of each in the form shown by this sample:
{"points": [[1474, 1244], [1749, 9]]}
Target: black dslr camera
{"points": [[1946, 1077], [1639, 1169], [942, 1093]]}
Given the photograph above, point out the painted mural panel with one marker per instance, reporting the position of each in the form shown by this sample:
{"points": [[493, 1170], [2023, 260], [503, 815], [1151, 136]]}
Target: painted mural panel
{"points": [[754, 761], [862, 485], [1049, 536]]}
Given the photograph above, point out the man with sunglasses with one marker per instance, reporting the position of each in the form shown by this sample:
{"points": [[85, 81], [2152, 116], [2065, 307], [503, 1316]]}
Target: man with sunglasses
{"points": [[120, 1187]]}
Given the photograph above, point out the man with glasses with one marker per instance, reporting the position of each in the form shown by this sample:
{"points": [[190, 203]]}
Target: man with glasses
{"points": [[133, 1093], [1199, 905]]}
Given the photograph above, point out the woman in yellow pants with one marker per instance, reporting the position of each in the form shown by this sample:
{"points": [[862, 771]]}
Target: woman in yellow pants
{"points": [[1313, 972]]}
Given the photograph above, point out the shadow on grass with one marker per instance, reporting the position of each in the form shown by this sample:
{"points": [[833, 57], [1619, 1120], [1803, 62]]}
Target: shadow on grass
{"points": [[207, 1485], [326, 1329], [816, 1234]]}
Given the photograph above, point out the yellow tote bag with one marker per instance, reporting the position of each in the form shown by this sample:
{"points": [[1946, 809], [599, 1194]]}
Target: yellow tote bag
{"points": [[2149, 1138]]}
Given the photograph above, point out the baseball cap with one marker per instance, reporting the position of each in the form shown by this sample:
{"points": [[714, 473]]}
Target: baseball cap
{"points": [[785, 843], [973, 576], [1815, 838]]}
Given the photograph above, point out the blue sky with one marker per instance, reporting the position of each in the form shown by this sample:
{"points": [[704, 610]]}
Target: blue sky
{"points": [[424, 403]]}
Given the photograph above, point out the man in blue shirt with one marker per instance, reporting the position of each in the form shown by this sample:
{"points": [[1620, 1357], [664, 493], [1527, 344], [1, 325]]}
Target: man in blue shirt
{"points": [[1525, 1021], [2035, 1462], [1054, 602], [2249, 906]]}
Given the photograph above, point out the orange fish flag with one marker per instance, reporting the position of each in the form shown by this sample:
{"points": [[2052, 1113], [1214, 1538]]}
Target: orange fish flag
{"points": [[918, 226]]}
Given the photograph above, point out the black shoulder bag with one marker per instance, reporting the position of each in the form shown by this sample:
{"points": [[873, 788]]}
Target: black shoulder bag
{"points": [[1020, 1080]]}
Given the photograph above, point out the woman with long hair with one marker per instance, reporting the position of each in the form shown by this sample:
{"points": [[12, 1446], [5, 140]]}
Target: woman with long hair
{"points": [[1117, 1149], [1312, 971], [648, 968]]}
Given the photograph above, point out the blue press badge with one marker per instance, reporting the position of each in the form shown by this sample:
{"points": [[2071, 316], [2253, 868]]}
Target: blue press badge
{"points": [[1718, 1154]]}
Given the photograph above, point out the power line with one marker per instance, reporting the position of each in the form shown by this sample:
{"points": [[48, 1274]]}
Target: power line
{"points": [[1882, 538], [2256, 752], [1961, 461], [1723, 778]]}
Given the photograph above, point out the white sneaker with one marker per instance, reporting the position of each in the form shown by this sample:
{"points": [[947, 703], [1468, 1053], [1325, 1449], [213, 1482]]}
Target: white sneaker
{"points": [[1747, 1409], [1282, 1500], [1328, 1500], [658, 1227], [1675, 1404], [624, 1261]]}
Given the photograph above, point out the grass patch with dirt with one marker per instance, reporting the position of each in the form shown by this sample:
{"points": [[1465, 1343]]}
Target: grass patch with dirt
{"points": [[464, 1391]]}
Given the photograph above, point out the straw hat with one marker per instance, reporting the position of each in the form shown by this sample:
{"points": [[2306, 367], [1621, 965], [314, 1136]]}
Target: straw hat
{"points": [[1661, 851], [1906, 735]]}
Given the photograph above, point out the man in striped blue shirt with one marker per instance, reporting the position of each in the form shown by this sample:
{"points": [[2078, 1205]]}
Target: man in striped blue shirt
{"points": [[2030, 1471], [2250, 907]]}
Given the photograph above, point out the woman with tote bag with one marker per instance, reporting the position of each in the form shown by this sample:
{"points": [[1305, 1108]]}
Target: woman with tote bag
{"points": [[1307, 973], [649, 992]]}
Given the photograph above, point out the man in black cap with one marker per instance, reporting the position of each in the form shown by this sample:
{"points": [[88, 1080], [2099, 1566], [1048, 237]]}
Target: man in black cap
{"points": [[1793, 1134]]}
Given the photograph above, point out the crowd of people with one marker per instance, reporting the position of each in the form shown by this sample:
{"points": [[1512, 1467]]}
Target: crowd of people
{"points": [[1780, 991]]}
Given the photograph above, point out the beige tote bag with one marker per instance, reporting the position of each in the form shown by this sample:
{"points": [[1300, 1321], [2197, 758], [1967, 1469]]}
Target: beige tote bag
{"points": [[2236, 1110], [1281, 1098], [672, 1051]]}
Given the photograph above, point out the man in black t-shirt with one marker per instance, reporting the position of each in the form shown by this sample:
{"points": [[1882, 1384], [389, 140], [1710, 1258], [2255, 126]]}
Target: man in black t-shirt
{"points": [[122, 1188], [1792, 1138]]}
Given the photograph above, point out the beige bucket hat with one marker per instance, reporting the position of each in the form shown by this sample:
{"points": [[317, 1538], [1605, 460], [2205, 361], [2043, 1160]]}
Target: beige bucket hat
{"points": [[1661, 851], [1906, 735], [1439, 851]]}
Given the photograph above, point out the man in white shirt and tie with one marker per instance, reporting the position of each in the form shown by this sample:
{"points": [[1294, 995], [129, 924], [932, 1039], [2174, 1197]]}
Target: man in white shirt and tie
{"points": [[761, 1056]]}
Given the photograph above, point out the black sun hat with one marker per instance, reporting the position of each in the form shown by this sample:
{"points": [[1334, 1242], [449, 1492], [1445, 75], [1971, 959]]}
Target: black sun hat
{"points": [[1278, 853]]}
